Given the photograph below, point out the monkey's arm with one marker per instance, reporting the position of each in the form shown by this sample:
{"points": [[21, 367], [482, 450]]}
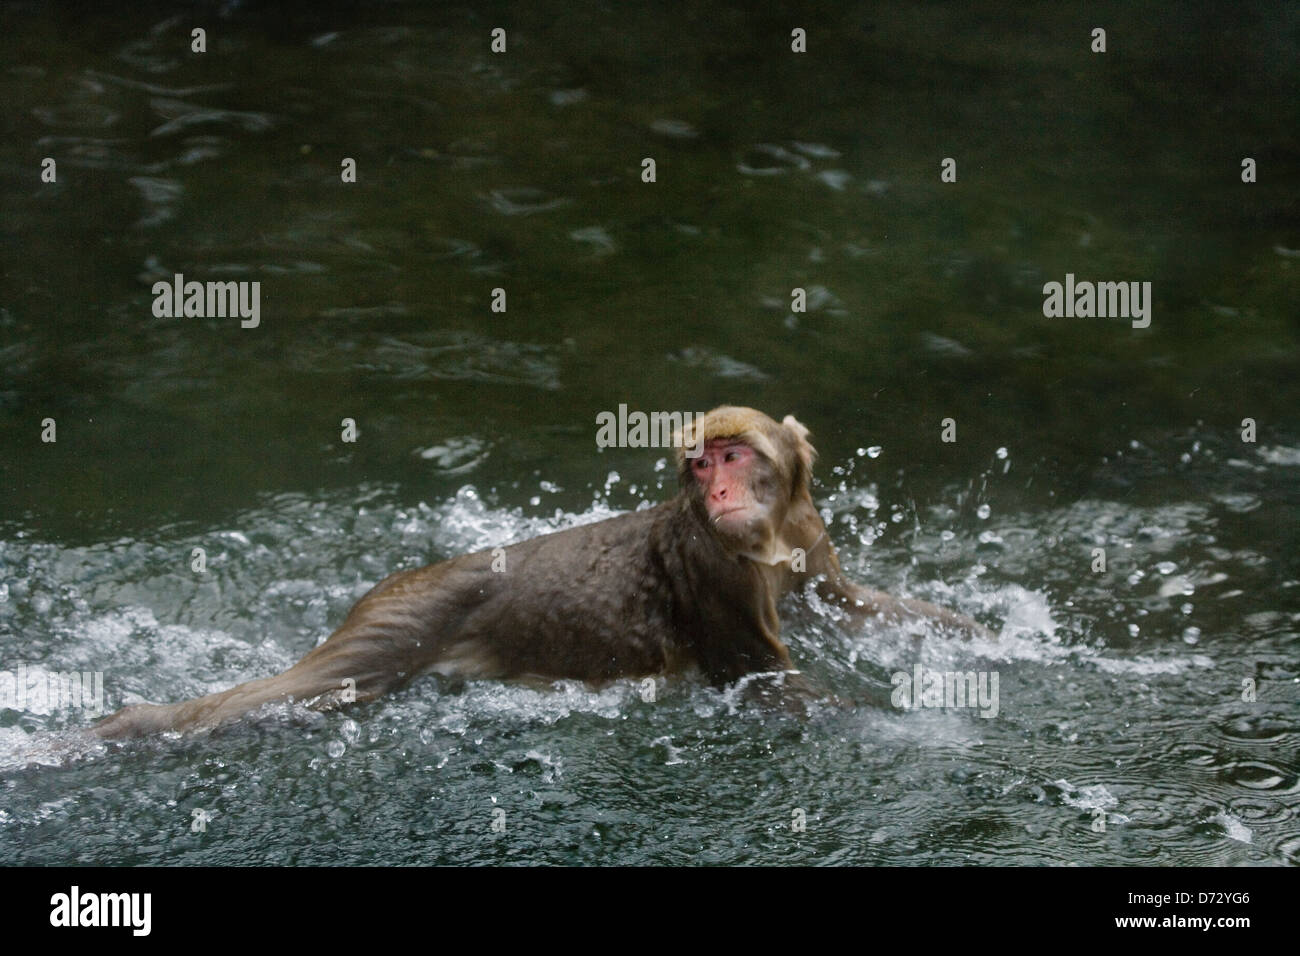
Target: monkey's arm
{"points": [[865, 603]]}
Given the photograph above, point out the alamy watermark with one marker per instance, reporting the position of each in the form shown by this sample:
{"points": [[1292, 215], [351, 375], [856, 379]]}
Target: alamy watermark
{"points": [[1101, 300], [75, 908], [208, 300], [639, 430], [946, 690], [42, 691]]}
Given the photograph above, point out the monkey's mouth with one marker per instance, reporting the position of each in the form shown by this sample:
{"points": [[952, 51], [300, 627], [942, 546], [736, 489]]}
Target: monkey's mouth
{"points": [[737, 523]]}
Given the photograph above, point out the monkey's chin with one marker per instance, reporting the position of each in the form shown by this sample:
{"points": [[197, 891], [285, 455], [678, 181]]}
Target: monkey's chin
{"points": [[742, 531]]}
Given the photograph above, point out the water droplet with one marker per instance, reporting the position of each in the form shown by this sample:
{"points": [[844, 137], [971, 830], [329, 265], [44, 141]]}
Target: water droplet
{"points": [[983, 511], [674, 129], [874, 451], [837, 179], [1192, 635], [335, 749], [567, 97]]}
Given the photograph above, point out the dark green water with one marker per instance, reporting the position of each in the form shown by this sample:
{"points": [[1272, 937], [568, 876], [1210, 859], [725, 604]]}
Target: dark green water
{"points": [[1121, 693]]}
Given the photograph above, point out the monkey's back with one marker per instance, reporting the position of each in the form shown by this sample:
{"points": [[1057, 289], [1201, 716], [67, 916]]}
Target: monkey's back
{"points": [[589, 603]]}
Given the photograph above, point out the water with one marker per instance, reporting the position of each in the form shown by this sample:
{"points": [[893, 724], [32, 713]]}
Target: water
{"points": [[1120, 692]]}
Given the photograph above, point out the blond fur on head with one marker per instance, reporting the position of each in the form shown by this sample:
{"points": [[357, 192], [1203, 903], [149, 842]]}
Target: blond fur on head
{"points": [[782, 444]]}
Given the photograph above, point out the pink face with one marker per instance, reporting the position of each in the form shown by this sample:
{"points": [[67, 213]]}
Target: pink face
{"points": [[724, 473]]}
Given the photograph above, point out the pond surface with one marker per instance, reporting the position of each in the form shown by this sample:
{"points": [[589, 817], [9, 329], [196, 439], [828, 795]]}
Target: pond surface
{"points": [[1147, 713]]}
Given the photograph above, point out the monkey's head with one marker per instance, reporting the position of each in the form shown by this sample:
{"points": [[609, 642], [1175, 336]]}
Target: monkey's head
{"points": [[749, 472]]}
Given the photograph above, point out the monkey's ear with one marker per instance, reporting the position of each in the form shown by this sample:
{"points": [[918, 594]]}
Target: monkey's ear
{"points": [[805, 450]]}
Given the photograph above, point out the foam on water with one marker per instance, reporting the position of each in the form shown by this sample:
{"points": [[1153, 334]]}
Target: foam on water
{"points": [[147, 660]]}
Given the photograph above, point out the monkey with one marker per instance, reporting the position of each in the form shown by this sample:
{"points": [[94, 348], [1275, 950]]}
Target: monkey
{"points": [[691, 584]]}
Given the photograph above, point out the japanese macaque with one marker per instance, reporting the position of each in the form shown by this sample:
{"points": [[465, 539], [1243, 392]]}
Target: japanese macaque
{"points": [[691, 584]]}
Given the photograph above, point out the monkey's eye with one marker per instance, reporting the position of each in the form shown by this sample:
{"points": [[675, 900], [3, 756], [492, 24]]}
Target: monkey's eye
{"points": [[732, 456], [701, 464]]}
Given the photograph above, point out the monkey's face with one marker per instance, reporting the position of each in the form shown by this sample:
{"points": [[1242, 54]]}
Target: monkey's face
{"points": [[740, 494]]}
